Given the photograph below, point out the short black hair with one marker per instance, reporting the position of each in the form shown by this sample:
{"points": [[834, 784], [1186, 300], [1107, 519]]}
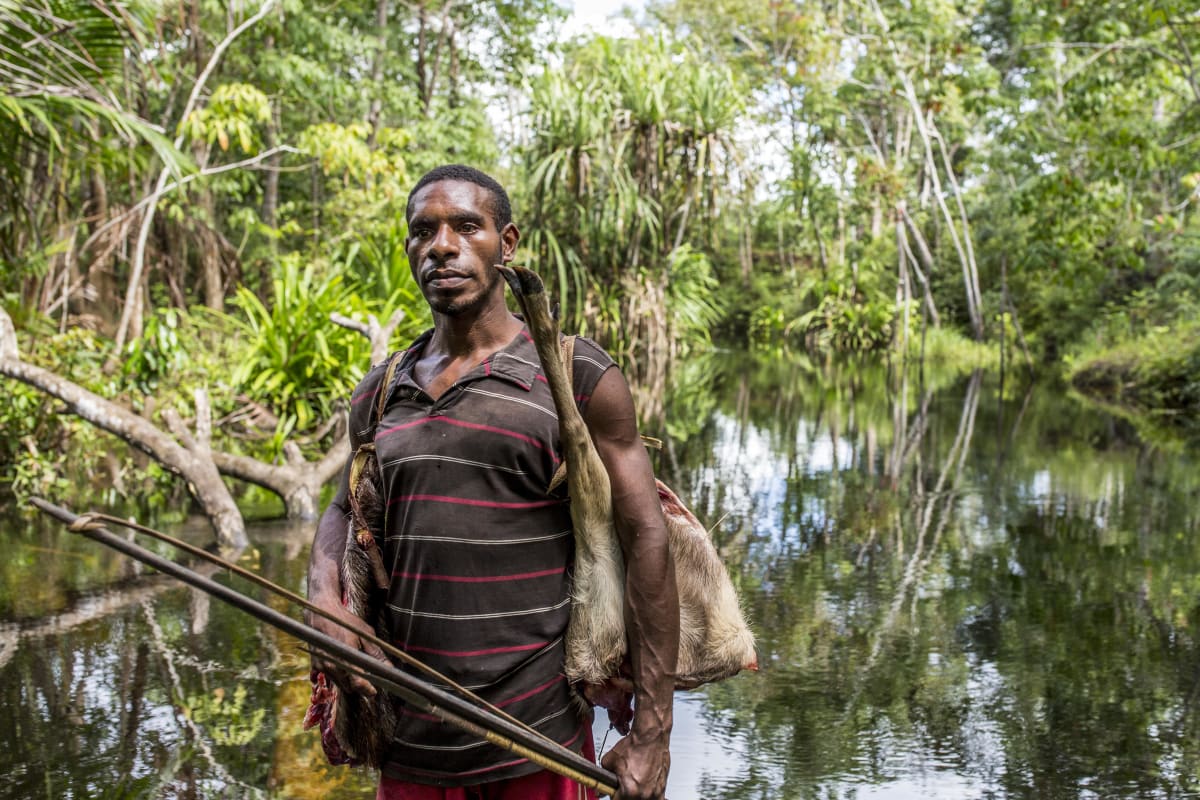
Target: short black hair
{"points": [[501, 207]]}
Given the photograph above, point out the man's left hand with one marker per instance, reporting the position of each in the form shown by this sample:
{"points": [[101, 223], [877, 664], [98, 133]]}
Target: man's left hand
{"points": [[641, 766]]}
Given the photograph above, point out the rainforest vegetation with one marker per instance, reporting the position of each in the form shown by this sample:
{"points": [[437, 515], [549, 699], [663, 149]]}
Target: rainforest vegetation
{"points": [[191, 189]]}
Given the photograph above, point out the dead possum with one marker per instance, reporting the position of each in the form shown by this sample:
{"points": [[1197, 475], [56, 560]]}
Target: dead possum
{"points": [[357, 729]]}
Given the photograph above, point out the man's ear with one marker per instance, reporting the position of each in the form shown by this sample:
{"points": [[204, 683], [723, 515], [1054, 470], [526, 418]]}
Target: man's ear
{"points": [[510, 237]]}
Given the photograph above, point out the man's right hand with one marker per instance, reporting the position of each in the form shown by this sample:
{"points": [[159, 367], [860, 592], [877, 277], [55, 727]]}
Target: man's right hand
{"points": [[351, 638]]}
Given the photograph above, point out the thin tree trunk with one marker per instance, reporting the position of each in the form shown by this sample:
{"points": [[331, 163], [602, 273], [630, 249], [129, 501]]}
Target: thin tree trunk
{"points": [[270, 206], [381, 16], [962, 213], [926, 258], [903, 291], [1013, 310], [139, 254], [970, 273], [424, 90]]}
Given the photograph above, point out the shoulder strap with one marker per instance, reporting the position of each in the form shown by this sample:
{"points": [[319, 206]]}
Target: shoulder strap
{"points": [[366, 450], [386, 386], [363, 462]]}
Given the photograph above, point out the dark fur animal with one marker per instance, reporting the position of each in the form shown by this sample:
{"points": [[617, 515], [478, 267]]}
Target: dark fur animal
{"points": [[364, 725]]}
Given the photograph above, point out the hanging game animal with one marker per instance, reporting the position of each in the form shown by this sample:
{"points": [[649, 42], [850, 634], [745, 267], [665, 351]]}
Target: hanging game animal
{"points": [[356, 729], [715, 641]]}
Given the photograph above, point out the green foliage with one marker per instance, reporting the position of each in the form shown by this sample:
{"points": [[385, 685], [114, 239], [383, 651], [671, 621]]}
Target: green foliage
{"points": [[227, 720], [944, 346], [733, 170], [767, 323], [157, 354], [631, 160], [693, 308], [59, 115], [47, 453], [842, 321], [344, 151], [295, 360], [235, 112], [1144, 354]]}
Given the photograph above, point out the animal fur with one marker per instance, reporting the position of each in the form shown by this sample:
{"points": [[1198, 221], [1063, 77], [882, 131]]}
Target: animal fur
{"points": [[596, 632], [715, 641], [364, 725]]}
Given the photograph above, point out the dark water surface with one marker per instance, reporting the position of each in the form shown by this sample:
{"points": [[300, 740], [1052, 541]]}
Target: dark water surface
{"points": [[958, 592]]}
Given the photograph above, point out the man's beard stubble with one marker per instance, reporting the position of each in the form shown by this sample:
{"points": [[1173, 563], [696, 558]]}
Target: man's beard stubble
{"points": [[461, 305]]}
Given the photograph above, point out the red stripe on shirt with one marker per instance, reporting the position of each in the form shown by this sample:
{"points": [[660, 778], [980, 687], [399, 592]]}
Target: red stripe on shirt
{"points": [[536, 690], [363, 396], [419, 576], [475, 426], [467, 501], [517, 648]]}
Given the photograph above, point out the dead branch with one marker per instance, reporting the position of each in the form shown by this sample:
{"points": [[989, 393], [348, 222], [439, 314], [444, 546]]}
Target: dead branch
{"points": [[188, 460], [379, 336]]}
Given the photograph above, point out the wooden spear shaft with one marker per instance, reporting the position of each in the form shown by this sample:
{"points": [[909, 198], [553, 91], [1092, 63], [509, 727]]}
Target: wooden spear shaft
{"points": [[428, 699]]}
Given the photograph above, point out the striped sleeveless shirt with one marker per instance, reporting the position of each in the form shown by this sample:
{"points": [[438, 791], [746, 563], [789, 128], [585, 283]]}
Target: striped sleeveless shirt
{"points": [[480, 555]]}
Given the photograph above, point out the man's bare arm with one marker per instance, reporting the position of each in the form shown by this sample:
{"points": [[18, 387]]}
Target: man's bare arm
{"points": [[642, 760]]}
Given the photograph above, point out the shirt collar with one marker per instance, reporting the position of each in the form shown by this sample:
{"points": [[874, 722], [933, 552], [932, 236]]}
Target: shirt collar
{"points": [[517, 362]]}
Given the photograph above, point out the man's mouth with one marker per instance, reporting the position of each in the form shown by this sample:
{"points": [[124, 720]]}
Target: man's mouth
{"points": [[445, 278]]}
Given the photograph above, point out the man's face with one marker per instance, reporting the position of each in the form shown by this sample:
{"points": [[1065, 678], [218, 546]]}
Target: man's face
{"points": [[453, 244]]}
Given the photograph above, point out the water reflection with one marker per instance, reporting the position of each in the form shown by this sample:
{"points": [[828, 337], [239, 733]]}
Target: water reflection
{"points": [[961, 589]]}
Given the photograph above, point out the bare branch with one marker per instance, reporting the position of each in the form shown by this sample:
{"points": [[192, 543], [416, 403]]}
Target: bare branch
{"points": [[380, 336], [352, 324]]}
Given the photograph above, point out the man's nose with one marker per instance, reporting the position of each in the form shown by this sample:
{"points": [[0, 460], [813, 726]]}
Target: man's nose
{"points": [[444, 243]]}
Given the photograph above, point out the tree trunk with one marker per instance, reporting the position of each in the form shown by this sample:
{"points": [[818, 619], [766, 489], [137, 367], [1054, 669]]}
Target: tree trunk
{"points": [[926, 258], [424, 90], [966, 256], [132, 307], [381, 16]]}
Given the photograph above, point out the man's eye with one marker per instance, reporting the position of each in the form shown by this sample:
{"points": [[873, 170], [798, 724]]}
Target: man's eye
{"points": [[469, 227]]}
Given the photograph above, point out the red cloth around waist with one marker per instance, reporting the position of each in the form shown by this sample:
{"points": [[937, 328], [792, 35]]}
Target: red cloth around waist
{"points": [[544, 785]]}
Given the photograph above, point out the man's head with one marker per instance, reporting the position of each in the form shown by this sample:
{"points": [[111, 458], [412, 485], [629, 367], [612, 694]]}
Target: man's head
{"points": [[501, 209], [459, 227]]}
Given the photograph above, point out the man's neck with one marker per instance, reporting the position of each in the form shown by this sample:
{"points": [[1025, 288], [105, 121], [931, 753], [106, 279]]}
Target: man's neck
{"points": [[463, 335]]}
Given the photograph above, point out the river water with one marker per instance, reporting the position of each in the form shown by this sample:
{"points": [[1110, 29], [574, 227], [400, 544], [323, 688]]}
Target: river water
{"points": [[961, 587]]}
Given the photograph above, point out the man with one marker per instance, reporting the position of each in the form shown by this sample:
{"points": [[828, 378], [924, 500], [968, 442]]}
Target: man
{"points": [[480, 554]]}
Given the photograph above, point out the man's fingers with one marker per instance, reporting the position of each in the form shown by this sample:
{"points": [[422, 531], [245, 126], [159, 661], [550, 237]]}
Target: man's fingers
{"points": [[332, 667], [362, 686], [373, 650]]}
